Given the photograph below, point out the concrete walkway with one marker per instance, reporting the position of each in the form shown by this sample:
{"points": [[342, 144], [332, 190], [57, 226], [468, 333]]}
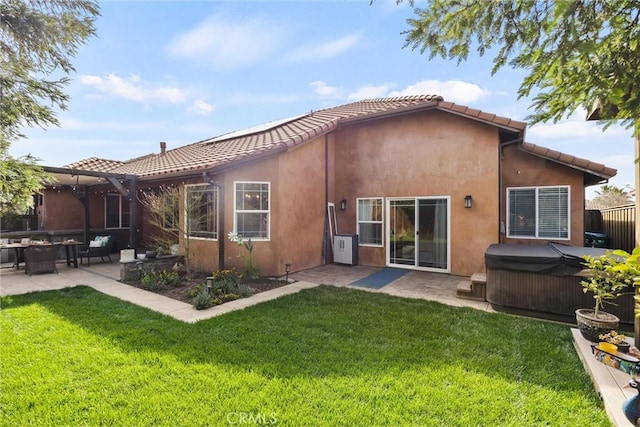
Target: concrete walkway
{"points": [[104, 277]]}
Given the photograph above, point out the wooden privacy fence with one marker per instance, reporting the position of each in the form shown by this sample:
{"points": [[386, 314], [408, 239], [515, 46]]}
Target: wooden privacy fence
{"points": [[620, 224]]}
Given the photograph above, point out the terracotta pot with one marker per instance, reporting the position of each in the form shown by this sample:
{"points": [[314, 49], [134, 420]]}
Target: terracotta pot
{"points": [[591, 327]]}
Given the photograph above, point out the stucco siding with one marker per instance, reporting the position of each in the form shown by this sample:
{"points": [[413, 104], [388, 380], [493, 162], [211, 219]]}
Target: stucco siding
{"points": [[296, 213], [424, 155], [301, 207], [521, 169]]}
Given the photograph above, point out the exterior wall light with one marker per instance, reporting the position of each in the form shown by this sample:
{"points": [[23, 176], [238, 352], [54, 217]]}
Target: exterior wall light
{"points": [[343, 204], [468, 201], [287, 269], [139, 265]]}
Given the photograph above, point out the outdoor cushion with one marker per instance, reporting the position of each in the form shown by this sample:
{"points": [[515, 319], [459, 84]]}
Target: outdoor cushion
{"points": [[99, 246]]}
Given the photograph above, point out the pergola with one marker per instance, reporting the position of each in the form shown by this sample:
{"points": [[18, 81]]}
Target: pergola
{"points": [[85, 179]]}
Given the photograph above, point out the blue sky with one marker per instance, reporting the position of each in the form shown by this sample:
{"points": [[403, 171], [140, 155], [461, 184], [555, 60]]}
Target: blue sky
{"points": [[184, 71]]}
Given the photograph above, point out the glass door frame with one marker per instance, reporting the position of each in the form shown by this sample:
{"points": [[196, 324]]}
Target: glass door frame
{"points": [[389, 241]]}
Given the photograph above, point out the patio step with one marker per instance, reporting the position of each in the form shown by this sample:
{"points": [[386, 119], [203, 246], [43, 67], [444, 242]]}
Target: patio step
{"points": [[474, 288]]}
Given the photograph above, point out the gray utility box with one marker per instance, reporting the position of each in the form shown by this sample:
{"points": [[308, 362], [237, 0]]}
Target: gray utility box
{"points": [[345, 249]]}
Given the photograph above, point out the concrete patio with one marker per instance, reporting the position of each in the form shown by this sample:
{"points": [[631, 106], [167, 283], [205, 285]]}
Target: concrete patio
{"points": [[104, 277], [611, 384]]}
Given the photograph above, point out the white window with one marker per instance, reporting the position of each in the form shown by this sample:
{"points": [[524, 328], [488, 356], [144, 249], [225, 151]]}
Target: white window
{"points": [[370, 220], [251, 210], [538, 212], [116, 211], [201, 211]]}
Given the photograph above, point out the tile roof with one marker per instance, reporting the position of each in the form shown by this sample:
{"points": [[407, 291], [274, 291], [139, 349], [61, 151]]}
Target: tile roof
{"points": [[95, 164], [281, 134], [593, 168]]}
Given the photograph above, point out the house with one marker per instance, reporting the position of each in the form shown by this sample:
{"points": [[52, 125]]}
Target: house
{"points": [[424, 184]]}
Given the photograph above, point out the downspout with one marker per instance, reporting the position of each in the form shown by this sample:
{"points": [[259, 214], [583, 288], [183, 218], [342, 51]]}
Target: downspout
{"points": [[134, 227], [501, 196], [325, 245], [87, 216], [221, 234]]}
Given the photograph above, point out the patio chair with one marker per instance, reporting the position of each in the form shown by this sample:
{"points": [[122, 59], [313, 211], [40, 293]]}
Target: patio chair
{"points": [[41, 259], [99, 246]]}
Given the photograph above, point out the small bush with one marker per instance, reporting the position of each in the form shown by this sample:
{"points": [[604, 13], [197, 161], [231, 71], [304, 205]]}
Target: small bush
{"points": [[223, 286], [155, 280], [244, 290], [201, 298], [226, 281], [231, 297]]}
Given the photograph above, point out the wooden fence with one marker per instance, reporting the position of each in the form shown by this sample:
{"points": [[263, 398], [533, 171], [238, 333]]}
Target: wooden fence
{"points": [[620, 224]]}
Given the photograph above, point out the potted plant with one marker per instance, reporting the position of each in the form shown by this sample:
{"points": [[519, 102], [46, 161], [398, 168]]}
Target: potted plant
{"points": [[609, 277], [619, 340]]}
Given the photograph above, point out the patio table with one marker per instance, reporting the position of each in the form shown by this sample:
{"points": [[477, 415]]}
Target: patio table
{"points": [[19, 251], [70, 251]]}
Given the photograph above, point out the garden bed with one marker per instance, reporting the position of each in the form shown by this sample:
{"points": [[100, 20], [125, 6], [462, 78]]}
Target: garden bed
{"points": [[185, 287]]}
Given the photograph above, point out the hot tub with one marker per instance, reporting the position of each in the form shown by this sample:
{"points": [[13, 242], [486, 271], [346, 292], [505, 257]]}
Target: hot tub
{"points": [[544, 280]]}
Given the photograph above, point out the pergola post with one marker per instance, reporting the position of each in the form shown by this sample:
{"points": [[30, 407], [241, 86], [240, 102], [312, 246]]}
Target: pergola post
{"points": [[636, 137], [133, 212]]}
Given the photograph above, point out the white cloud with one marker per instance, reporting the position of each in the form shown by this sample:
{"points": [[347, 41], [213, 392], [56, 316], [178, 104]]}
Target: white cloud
{"points": [[227, 43], [575, 127], [451, 90], [326, 50], [201, 107], [369, 92], [323, 89], [133, 89]]}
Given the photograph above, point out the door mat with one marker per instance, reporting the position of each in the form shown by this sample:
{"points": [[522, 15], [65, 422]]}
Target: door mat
{"points": [[380, 278]]}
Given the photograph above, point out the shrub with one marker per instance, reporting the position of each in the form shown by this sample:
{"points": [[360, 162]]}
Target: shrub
{"points": [[226, 281], [244, 290], [201, 298], [155, 280], [222, 286], [230, 297]]}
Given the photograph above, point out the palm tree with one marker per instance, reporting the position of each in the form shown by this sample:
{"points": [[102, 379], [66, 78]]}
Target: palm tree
{"points": [[609, 196]]}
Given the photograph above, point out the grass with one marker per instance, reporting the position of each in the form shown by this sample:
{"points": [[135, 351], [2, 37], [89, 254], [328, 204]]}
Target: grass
{"points": [[325, 356]]}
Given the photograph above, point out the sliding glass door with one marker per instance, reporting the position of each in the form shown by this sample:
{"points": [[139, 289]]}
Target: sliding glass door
{"points": [[418, 233]]}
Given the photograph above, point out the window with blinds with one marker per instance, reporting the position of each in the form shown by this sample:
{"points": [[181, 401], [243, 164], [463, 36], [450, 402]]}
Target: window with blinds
{"points": [[538, 212]]}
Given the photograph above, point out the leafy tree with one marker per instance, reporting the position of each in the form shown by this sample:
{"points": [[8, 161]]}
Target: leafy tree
{"points": [[609, 196], [578, 53], [38, 38]]}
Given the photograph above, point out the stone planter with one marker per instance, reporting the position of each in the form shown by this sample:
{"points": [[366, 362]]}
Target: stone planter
{"points": [[130, 271], [591, 327]]}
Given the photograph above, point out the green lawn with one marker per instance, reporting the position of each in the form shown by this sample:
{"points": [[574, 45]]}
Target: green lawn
{"points": [[325, 356]]}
